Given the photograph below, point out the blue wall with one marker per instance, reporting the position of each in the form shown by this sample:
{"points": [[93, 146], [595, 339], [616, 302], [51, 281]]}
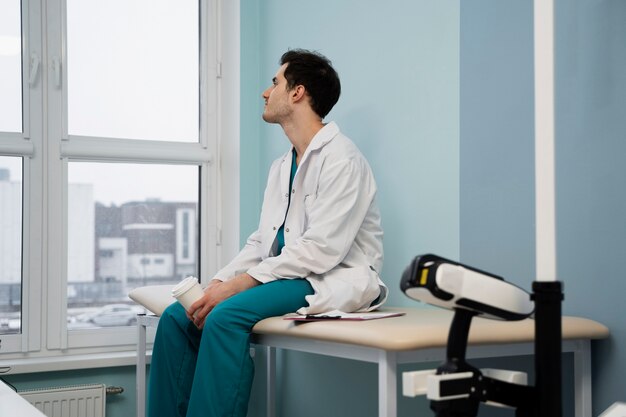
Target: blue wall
{"points": [[400, 99], [590, 177], [497, 171], [399, 64], [497, 138], [446, 89]]}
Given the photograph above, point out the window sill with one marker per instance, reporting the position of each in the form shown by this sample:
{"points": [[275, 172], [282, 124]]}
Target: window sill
{"points": [[70, 362]]}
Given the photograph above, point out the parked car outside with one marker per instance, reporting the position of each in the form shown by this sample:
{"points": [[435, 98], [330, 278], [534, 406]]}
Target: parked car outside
{"points": [[107, 316]]}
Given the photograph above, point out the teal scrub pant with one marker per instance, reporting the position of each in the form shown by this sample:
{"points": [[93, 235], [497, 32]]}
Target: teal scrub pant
{"points": [[209, 372]]}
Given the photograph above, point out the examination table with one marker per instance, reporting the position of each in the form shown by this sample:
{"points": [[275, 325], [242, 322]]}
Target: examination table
{"points": [[420, 335]]}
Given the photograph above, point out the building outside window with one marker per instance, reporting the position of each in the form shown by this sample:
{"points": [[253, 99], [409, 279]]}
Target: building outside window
{"points": [[116, 244]]}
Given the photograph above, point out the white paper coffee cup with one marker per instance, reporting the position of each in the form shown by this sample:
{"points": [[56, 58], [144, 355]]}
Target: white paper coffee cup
{"points": [[187, 292]]}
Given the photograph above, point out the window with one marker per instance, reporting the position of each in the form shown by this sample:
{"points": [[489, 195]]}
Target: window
{"points": [[133, 151], [15, 169], [116, 197], [134, 74], [130, 225], [10, 66], [10, 245]]}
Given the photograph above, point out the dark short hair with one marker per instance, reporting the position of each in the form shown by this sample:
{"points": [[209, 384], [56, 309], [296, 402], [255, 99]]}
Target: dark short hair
{"points": [[315, 72]]}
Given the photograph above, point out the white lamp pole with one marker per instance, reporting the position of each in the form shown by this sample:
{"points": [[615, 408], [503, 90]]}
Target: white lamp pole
{"points": [[547, 290], [544, 141]]}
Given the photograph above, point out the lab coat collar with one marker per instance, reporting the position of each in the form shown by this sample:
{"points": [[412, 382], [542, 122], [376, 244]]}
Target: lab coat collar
{"points": [[321, 138]]}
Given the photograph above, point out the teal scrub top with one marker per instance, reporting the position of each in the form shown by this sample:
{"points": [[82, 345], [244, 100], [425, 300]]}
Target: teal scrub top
{"points": [[280, 236]]}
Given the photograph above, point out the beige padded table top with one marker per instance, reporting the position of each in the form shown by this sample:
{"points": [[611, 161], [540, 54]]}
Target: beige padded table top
{"points": [[421, 328]]}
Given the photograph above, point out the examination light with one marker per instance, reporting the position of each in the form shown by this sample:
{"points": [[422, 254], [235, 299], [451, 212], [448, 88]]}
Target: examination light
{"points": [[456, 388], [448, 284]]}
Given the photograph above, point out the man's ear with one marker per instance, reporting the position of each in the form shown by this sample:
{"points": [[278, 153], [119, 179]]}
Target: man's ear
{"points": [[298, 93]]}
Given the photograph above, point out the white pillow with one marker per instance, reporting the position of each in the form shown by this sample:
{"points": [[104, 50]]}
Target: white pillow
{"points": [[155, 298]]}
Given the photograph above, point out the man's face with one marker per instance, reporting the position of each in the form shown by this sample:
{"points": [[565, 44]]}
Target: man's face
{"points": [[276, 96]]}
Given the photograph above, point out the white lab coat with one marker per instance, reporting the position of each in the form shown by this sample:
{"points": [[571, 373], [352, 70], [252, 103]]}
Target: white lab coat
{"points": [[333, 236]]}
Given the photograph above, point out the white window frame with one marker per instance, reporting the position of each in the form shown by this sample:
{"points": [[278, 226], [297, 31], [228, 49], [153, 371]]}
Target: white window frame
{"points": [[45, 343], [23, 144], [68, 148]]}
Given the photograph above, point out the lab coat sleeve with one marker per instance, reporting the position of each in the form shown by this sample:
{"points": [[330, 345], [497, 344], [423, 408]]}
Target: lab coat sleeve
{"points": [[346, 189], [247, 257], [250, 255]]}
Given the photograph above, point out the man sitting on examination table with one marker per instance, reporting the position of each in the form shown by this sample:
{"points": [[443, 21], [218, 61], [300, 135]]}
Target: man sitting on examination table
{"points": [[318, 248]]}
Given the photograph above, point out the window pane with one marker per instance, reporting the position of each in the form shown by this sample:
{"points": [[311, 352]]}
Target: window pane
{"points": [[10, 66], [133, 74], [127, 227], [10, 244]]}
